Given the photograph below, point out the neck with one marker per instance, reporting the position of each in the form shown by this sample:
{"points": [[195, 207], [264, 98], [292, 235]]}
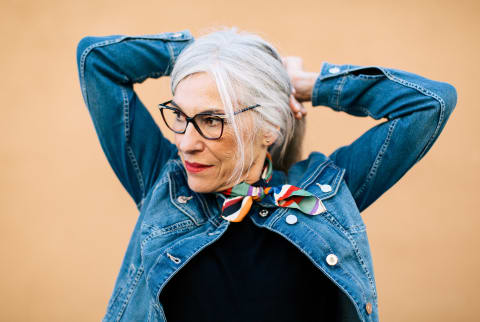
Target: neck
{"points": [[255, 172], [250, 176]]}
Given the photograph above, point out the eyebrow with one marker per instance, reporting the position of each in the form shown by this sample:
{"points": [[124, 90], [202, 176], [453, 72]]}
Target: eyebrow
{"points": [[212, 111]]}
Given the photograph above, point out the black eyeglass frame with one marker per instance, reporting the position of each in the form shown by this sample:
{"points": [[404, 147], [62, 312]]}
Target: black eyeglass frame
{"points": [[222, 117]]}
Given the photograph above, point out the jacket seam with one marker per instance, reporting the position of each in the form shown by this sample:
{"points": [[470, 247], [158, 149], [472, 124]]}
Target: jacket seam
{"points": [[332, 219], [199, 197], [349, 238], [126, 111], [130, 292], [336, 181], [130, 153], [355, 229], [140, 204], [314, 174], [333, 252], [181, 226], [338, 92], [171, 187], [172, 58], [84, 55], [426, 92], [378, 160]]}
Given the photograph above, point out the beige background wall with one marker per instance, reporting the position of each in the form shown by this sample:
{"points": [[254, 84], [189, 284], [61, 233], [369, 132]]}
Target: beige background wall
{"points": [[66, 220]]}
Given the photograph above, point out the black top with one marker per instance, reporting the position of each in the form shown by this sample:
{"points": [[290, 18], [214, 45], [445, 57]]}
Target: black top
{"points": [[253, 274]]}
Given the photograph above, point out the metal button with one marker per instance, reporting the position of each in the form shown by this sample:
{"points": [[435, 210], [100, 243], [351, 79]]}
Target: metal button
{"points": [[326, 187], [291, 219], [183, 199], [174, 259], [334, 70], [263, 212], [332, 259], [369, 308], [177, 34]]}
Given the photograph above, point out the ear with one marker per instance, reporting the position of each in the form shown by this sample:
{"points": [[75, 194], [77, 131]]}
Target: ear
{"points": [[269, 138]]}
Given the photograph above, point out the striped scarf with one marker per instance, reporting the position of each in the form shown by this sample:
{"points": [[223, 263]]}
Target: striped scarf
{"points": [[241, 196]]}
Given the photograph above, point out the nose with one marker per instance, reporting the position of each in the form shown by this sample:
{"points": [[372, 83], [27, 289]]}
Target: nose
{"points": [[191, 141]]}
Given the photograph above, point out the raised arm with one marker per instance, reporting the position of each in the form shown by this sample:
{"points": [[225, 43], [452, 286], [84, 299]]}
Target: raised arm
{"points": [[131, 140], [416, 110]]}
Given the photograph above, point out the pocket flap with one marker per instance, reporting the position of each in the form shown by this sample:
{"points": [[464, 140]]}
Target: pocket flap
{"points": [[327, 182]]}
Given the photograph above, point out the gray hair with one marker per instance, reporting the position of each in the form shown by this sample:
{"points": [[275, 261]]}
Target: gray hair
{"points": [[247, 70]]}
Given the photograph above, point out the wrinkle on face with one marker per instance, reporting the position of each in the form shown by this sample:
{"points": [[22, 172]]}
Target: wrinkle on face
{"points": [[197, 93]]}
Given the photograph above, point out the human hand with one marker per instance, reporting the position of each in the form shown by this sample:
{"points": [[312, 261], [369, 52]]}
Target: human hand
{"points": [[298, 109], [302, 84]]}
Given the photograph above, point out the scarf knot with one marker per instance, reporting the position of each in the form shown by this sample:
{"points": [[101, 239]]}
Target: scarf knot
{"points": [[241, 197]]}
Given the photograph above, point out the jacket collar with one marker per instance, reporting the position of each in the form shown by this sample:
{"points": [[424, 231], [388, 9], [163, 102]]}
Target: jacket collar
{"points": [[320, 177]]}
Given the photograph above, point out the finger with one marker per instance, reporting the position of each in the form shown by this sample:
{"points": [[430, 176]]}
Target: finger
{"points": [[303, 109], [300, 114], [297, 108], [297, 113], [293, 104]]}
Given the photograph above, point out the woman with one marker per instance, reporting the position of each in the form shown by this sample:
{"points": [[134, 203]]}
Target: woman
{"points": [[232, 226]]}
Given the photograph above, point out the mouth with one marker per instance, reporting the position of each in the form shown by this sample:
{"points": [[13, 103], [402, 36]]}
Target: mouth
{"points": [[194, 167]]}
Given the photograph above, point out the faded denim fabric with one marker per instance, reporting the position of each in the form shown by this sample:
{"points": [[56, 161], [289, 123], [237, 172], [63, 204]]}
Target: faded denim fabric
{"points": [[175, 223]]}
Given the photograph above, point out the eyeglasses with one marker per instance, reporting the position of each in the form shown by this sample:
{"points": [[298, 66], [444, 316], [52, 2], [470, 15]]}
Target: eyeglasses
{"points": [[208, 124]]}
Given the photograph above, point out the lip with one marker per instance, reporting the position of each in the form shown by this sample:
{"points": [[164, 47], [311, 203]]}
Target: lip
{"points": [[196, 167]]}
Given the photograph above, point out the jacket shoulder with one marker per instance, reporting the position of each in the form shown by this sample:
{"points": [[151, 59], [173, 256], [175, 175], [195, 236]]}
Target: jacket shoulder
{"points": [[303, 171]]}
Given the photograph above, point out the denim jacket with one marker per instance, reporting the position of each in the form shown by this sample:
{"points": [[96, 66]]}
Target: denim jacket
{"points": [[175, 223]]}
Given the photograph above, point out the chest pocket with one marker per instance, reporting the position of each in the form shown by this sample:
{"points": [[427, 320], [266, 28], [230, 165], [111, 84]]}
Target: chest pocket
{"points": [[156, 238], [173, 211], [330, 187], [326, 183]]}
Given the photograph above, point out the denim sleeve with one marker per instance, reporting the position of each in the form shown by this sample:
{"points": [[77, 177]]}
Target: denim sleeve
{"points": [[416, 110], [131, 140]]}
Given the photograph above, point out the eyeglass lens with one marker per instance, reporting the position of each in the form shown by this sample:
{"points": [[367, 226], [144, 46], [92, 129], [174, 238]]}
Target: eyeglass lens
{"points": [[210, 125]]}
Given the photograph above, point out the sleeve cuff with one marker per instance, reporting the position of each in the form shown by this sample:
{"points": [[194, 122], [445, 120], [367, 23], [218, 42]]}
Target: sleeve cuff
{"points": [[325, 90]]}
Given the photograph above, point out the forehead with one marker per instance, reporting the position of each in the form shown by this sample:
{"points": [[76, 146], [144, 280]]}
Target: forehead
{"points": [[198, 93]]}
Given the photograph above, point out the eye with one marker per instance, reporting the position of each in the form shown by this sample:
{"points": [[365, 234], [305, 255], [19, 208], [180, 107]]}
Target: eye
{"points": [[212, 121], [178, 115]]}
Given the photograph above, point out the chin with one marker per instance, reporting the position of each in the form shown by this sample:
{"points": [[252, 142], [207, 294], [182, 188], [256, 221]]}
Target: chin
{"points": [[199, 186]]}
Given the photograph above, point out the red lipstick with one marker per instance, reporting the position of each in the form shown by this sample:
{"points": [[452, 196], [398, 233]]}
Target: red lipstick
{"points": [[196, 167]]}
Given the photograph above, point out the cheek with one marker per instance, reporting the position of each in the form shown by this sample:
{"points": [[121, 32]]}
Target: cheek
{"points": [[225, 152], [176, 139], [224, 149], [251, 144]]}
